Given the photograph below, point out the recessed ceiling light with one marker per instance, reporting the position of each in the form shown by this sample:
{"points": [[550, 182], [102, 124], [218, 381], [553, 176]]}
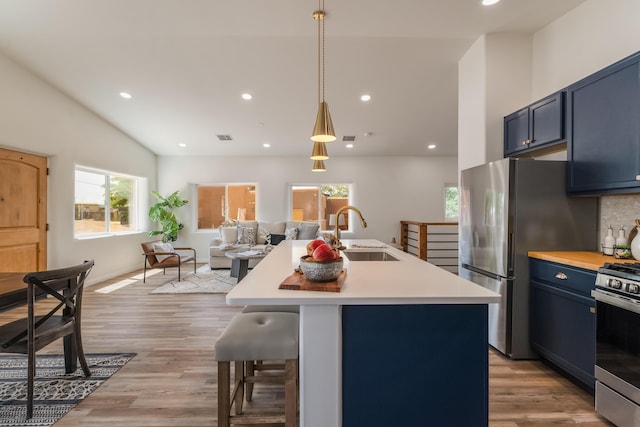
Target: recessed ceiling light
{"points": [[266, 145], [489, 2], [365, 98], [126, 95], [431, 146], [247, 96], [182, 144], [349, 145]]}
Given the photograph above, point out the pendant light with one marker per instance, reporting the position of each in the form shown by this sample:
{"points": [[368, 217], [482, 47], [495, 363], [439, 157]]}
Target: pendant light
{"points": [[319, 151], [318, 166], [323, 128]]}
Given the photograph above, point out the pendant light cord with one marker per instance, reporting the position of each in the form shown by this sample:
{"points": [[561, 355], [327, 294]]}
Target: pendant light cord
{"points": [[321, 57]]}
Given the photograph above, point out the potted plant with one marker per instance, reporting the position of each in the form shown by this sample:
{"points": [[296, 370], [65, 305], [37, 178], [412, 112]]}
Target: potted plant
{"points": [[162, 212]]}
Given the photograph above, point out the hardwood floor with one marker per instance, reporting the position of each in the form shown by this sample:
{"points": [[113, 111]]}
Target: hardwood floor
{"points": [[172, 380]]}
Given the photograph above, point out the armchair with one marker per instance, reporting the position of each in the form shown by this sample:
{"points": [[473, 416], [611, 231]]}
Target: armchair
{"points": [[163, 255]]}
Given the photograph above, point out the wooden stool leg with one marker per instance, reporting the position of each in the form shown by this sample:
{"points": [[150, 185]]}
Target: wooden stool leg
{"points": [[250, 373], [224, 396], [290, 392], [239, 385]]}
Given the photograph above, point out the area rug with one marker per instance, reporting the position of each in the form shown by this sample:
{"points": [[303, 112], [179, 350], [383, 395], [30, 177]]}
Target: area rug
{"points": [[55, 393], [203, 281]]}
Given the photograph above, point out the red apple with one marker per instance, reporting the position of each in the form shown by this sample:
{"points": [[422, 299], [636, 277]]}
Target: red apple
{"points": [[324, 253], [312, 245]]}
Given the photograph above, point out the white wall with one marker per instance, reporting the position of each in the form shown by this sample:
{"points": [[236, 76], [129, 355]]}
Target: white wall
{"points": [[494, 80], [587, 39], [386, 190], [36, 118], [472, 106]]}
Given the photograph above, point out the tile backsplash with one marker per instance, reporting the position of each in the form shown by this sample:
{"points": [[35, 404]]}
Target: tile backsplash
{"points": [[617, 211]]}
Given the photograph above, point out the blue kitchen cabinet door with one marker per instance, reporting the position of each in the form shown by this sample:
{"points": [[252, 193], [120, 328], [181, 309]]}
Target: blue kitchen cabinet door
{"points": [[537, 126], [603, 130], [563, 321]]}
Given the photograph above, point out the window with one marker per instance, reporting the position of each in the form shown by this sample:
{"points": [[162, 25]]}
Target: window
{"points": [[451, 203], [218, 203], [320, 203], [105, 203]]}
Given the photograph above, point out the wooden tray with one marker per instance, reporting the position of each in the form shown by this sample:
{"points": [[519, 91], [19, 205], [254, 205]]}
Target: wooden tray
{"points": [[298, 282]]}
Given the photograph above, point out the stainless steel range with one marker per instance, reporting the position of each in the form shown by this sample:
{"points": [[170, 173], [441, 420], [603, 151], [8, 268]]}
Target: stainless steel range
{"points": [[617, 368]]}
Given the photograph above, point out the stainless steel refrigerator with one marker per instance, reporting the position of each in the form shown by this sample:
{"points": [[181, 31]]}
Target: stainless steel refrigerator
{"points": [[508, 208]]}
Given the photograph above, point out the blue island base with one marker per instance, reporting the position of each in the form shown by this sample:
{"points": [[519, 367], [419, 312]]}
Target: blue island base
{"points": [[415, 366]]}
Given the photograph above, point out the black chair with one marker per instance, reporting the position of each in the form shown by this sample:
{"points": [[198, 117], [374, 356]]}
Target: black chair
{"points": [[28, 335]]}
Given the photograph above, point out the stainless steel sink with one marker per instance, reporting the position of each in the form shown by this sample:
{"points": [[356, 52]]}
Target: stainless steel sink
{"points": [[359, 255]]}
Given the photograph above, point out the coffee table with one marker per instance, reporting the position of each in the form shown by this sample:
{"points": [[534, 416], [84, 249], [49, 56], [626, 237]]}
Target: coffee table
{"points": [[240, 262]]}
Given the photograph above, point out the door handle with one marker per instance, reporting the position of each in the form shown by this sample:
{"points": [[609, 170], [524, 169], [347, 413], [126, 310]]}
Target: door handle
{"points": [[561, 276]]}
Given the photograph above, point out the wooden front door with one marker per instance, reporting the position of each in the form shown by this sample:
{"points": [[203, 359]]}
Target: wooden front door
{"points": [[23, 211]]}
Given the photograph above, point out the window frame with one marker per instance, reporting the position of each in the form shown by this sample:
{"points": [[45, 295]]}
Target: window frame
{"points": [[226, 186], [135, 203], [328, 228], [444, 199]]}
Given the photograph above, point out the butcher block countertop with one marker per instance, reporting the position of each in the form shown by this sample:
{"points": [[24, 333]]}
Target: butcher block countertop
{"points": [[582, 259]]}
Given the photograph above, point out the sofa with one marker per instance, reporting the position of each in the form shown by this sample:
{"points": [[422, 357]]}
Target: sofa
{"points": [[240, 236]]}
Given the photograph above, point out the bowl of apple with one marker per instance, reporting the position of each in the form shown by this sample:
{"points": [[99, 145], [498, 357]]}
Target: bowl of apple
{"points": [[321, 264]]}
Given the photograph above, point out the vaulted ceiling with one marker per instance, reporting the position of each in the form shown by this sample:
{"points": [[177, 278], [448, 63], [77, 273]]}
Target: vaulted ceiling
{"points": [[187, 62]]}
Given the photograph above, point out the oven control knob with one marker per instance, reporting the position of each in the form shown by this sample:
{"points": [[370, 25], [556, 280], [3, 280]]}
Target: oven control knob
{"points": [[615, 283], [633, 288]]}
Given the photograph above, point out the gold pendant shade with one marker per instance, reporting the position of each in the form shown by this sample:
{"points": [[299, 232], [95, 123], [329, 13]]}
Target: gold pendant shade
{"points": [[319, 151], [323, 129], [318, 166]]}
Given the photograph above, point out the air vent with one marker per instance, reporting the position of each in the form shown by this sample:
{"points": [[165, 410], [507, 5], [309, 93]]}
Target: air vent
{"points": [[224, 137], [348, 138]]}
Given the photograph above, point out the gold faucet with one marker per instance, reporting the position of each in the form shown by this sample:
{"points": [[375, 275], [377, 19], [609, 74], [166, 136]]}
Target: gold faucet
{"points": [[336, 232]]}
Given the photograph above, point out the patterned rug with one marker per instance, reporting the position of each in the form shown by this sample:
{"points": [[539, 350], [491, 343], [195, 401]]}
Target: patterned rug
{"points": [[203, 281], [55, 393]]}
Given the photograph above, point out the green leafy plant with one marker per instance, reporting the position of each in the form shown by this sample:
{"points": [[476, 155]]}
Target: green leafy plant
{"points": [[162, 212]]}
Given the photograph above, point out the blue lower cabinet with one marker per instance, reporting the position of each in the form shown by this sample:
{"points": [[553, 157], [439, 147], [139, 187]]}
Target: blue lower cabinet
{"points": [[415, 365], [563, 321]]}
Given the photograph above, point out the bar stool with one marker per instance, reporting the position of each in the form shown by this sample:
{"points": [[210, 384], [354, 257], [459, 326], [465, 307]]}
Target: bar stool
{"points": [[269, 336], [252, 366]]}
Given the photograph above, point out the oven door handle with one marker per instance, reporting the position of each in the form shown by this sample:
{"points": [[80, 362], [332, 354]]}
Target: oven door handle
{"points": [[616, 300]]}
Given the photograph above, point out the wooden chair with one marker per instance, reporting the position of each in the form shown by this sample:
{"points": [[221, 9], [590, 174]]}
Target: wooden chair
{"points": [[173, 259], [28, 335]]}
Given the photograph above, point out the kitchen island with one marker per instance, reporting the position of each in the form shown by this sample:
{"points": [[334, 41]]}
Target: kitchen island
{"points": [[403, 343]]}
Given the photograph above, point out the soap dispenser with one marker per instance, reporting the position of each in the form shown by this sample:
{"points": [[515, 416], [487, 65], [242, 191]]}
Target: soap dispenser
{"points": [[621, 240], [609, 242]]}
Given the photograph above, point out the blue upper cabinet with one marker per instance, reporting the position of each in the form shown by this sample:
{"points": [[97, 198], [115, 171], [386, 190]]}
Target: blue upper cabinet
{"points": [[536, 127], [603, 130]]}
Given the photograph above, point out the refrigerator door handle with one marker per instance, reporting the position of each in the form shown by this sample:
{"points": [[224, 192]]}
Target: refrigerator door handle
{"points": [[482, 272], [512, 255]]}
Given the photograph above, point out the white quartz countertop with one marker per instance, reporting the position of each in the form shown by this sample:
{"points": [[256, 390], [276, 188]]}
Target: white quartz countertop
{"points": [[407, 281]]}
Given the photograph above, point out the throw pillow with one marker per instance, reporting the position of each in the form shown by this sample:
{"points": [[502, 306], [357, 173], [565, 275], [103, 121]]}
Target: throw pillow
{"points": [[291, 234], [308, 230], [247, 236], [266, 228], [274, 239], [229, 234], [162, 247]]}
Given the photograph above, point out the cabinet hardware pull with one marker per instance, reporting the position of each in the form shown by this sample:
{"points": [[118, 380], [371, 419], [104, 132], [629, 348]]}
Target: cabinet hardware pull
{"points": [[524, 142], [561, 276], [637, 177], [592, 310]]}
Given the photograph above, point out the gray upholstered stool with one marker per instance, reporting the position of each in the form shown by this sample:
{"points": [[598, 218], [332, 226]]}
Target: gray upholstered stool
{"points": [[257, 336], [270, 308], [252, 366]]}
